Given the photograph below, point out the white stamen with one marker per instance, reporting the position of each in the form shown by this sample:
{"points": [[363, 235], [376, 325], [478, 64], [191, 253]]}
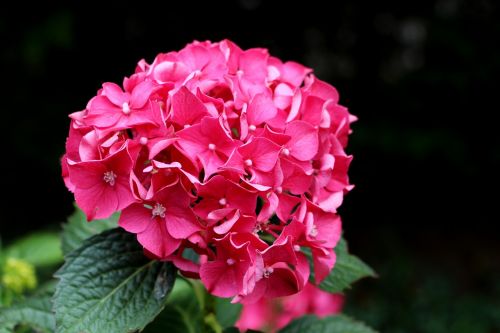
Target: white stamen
{"points": [[268, 271], [125, 108], [314, 231], [158, 210], [259, 226], [279, 189], [248, 162], [187, 126], [143, 140], [223, 202], [110, 177], [211, 146], [230, 261], [252, 128], [285, 152], [296, 248]]}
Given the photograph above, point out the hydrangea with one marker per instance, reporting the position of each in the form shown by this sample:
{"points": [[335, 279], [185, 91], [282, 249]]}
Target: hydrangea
{"points": [[230, 153]]}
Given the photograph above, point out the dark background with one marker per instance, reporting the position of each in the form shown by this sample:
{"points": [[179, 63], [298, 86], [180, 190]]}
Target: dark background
{"points": [[421, 76]]}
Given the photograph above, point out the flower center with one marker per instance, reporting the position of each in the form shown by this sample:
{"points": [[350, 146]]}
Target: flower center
{"points": [[285, 152], [314, 231], [296, 248], [211, 146], [125, 108], [248, 163], [252, 128], [110, 177], [158, 210], [268, 271], [260, 226], [230, 261], [223, 202]]}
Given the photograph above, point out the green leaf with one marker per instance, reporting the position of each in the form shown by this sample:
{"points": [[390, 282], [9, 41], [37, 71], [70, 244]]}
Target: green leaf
{"points": [[182, 314], [227, 313], [78, 229], [34, 311], [172, 320], [331, 324], [108, 285], [38, 249], [347, 270]]}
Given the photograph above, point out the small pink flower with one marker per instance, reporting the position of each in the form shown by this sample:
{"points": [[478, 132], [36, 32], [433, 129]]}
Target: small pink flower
{"points": [[118, 109], [271, 275], [102, 187], [162, 222], [223, 277], [221, 193], [209, 142]]}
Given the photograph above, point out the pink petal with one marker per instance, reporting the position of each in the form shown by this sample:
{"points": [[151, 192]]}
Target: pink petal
{"points": [[114, 93], [282, 282], [260, 109], [322, 89], [97, 202], [323, 264], [228, 224], [220, 279], [187, 108], [136, 218], [181, 222], [304, 140], [87, 174], [140, 94], [262, 152], [157, 240], [169, 71], [283, 95]]}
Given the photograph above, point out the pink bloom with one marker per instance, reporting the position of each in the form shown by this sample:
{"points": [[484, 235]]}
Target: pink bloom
{"points": [[220, 193], [271, 275], [223, 277], [256, 159], [209, 142], [121, 109], [231, 153], [162, 222], [101, 187]]}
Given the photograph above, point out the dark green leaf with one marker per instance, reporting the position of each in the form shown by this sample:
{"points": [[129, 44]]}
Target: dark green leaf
{"points": [[331, 324], [78, 229], [182, 314], [347, 270], [227, 313], [108, 285], [172, 320], [34, 311], [38, 249]]}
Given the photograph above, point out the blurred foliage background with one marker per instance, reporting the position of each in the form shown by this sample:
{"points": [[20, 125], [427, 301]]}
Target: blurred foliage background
{"points": [[420, 75]]}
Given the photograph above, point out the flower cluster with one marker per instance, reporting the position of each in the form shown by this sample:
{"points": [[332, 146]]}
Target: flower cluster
{"points": [[232, 154]]}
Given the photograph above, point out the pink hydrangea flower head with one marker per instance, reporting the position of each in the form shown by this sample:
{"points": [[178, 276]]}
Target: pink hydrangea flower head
{"points": [[231, 153]]}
